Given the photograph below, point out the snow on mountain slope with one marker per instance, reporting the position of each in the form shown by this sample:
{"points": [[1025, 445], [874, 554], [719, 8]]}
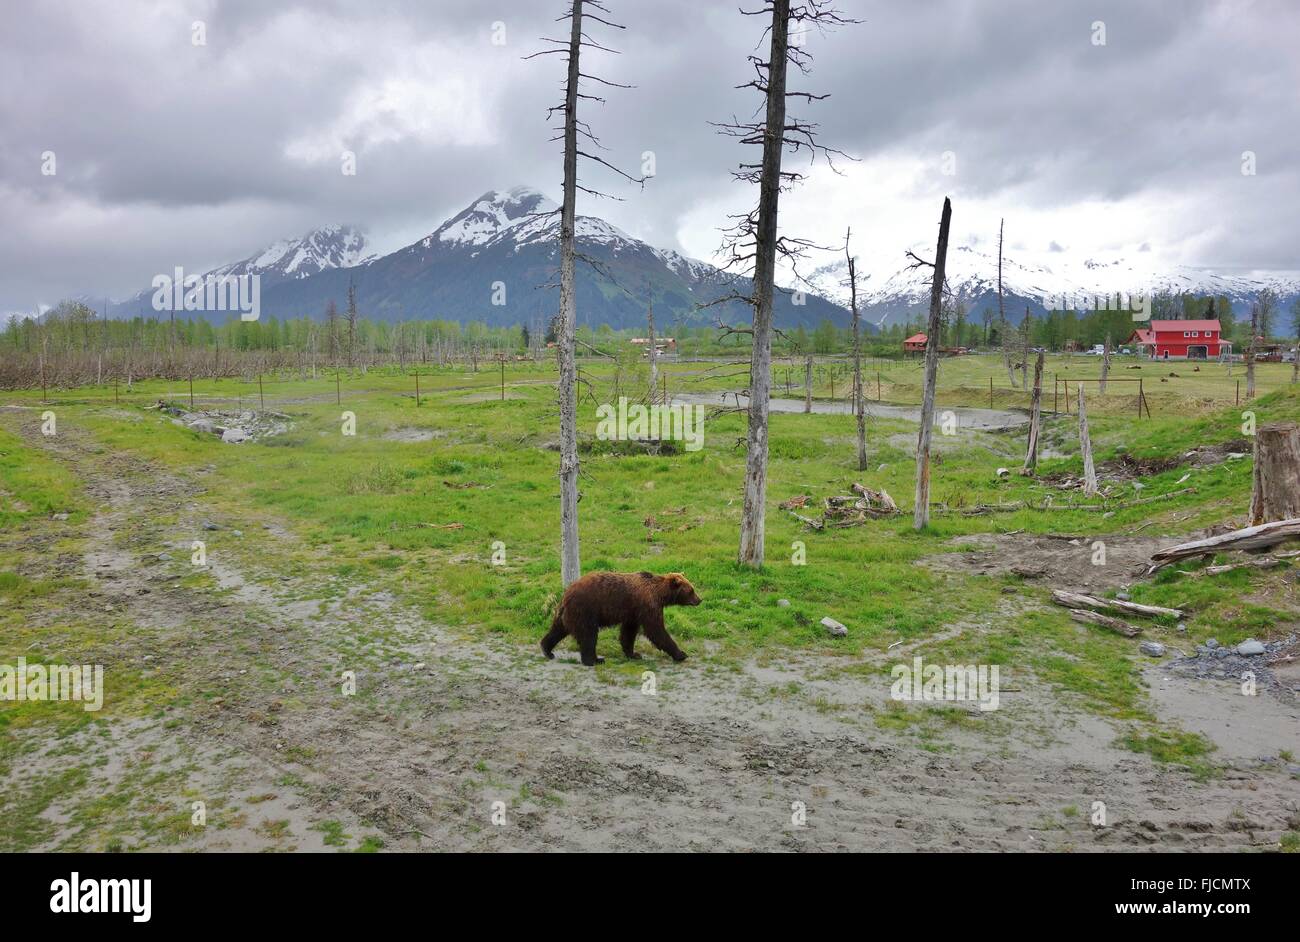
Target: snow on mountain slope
{"points": [[493, 260], [327, 247], [890, 289], [324, 249]]}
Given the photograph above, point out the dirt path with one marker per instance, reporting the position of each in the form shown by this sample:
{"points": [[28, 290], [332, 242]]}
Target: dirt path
{"points": [[440, 729]]}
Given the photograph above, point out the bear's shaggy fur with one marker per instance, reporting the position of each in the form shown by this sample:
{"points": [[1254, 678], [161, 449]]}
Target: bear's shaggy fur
{"points": [[632, 600]]}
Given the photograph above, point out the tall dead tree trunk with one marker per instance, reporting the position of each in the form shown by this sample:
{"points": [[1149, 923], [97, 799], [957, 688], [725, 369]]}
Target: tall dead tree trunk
{"points": [[1250, 351], [1105, 367], [653, 353], [1002, 313], [754, 241], [753, 514], [1276, 491], [807, 384], [1035, 420], [921, 507], [1024, 366], [566, 317], [1085, 446], [859, 407], [570, 557]]}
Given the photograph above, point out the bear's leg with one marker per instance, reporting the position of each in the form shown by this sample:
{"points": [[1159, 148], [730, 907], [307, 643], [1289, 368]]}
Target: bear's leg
{"points": [[627, 638], [586, 638], [553, 637], [653, 626]]}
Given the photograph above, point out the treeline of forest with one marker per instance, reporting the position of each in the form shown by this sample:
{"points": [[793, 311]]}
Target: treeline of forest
{"points": [[71, 345]]}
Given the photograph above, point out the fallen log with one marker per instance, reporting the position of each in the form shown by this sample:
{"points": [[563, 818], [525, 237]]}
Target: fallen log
{"points": [[880, 500], [806, 521], [1105, 621], [981, 509], [1074, 600], [1249, 538], [1268, 562]]}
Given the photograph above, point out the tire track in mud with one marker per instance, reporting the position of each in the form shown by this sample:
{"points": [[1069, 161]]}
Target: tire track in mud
{"points": [[441, 728]]}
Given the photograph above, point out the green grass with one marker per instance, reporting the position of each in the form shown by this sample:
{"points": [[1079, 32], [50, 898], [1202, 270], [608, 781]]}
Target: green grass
{"points": [[1190, 750], [367, 509], [32, 484]]}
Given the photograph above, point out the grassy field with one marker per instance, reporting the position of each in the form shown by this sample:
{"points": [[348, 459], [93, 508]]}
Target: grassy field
{"points": [[416, 503]]}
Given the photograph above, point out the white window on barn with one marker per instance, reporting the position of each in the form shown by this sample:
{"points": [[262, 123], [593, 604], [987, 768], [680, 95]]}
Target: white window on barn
{"points": [[1196, 333], [1187, 333]]}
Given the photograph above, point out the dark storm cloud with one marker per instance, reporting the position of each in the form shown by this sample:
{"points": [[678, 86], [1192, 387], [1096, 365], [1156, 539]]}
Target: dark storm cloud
{"points": [[174, 154]]}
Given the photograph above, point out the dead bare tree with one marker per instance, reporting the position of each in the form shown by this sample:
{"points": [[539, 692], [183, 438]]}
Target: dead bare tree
{"points": [[566, 321], [652, 353], [921, 508], [859, 407], [752, 241], [1085, 446], [1250, 350], [1002, 313], [1035, 418], [1024, 349], [1105, 366]]}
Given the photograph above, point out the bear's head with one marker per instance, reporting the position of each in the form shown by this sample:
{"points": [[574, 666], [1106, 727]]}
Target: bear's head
{"points": [[680, 591]]}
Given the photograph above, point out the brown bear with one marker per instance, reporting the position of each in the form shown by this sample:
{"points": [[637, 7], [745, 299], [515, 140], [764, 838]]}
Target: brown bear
{"points": [[630, 599]]}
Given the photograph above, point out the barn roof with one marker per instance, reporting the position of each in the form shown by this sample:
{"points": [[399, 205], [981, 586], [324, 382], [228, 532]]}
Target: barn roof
{"points": [[1185, 325], [916, 338]]}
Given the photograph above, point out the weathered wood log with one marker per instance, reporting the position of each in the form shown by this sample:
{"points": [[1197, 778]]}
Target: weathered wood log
{"points": [[980, 509], [1268, 562], [1073, 600], [1249, 538], [809, 522], [1085, 445], [879, 500], [1276, 491], [1105, 621]]}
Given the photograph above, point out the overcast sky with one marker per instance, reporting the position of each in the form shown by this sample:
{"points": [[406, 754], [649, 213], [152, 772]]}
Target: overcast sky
{"points": [[170, 153]]}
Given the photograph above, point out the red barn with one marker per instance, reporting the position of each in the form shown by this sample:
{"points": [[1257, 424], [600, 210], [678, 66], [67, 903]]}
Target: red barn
{"points": [[1182, 340], [914, 344]]}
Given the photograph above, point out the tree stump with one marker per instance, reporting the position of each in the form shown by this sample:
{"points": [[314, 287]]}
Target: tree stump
{"points": [[1276, 492]]}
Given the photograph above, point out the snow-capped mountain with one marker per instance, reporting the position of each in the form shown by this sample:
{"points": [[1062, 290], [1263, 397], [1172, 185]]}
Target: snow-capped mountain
{"points": [[494, 260], [890, 291], [326, 248]]}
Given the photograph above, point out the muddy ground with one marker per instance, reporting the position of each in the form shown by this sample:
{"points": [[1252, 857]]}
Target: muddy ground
{"points": [[443, 726]]}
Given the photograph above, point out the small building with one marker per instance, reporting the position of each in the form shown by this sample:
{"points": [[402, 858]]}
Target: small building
{"points": [[1181, 340], [914, 344]]}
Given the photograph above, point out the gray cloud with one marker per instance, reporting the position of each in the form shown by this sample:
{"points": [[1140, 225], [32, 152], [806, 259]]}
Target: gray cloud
{"points": [[174, 154]]}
